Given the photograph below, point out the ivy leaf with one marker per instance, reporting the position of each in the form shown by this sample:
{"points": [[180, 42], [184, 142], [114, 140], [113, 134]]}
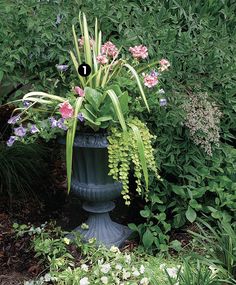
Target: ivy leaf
{"points": [[190, 214]]}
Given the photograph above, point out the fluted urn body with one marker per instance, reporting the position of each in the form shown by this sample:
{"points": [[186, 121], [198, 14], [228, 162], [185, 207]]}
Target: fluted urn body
{"points": [[92, 184]]}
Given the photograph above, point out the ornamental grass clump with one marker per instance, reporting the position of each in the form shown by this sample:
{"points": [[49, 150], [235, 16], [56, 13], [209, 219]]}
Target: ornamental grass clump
{"points": [[96, 102]]}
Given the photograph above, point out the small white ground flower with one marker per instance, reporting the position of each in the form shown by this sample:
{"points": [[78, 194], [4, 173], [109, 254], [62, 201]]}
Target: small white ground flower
{"points": [[144, 281], [142, 269], [126, 274], [127, 258], [105, 268], [118, 266], [162, 266], [114, 249], [84, 226], [136, 273], [84, 281], [84, 267], [172, 271], [104, 280], [66, 240]]}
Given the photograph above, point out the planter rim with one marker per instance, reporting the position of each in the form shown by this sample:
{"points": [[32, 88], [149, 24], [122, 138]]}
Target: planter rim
{"points": [[89, 140]]}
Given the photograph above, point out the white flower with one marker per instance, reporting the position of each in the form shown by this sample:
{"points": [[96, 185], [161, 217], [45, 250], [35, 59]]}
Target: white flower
{"points": [[84, 226], [84, 281], [118, 266], [144, 281], [66, 240], [213, 269], [162, 266], [126, 274], [172, 272], [105, 268], [136, 273], [127, 258], [84, 267], [104, 280], [114, 249], [142, 269]]}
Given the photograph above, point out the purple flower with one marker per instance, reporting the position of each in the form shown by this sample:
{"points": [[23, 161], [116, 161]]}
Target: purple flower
{"points": [[20, 131], [59, 19], [62, 67], [154, 73], [13, 119], [163, 102], [26, 103], [53, 122], [11, 140], [61, 124], [80, 117], [34, 129]]}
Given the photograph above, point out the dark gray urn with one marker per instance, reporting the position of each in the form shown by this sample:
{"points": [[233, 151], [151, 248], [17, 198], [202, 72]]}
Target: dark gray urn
{"points": [[92, 184]]}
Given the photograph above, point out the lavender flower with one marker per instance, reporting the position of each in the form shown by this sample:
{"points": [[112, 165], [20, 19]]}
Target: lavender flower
{"points": [[61, 125], [20, 131], [26, 103], [163, 102], [80, 117], [161, 91], [154, 73], [13, 119], [34, 129], [62, 67], [11, 140], [59, 19], [53, 122]]}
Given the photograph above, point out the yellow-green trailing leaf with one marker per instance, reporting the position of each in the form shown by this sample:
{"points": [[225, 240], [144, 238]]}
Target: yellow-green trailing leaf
{"points": [[141, 152]]}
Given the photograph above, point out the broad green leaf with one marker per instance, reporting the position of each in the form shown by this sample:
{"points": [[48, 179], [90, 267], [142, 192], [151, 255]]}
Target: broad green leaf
{"points": [[190, 214], [94, 97], [148, 239]]}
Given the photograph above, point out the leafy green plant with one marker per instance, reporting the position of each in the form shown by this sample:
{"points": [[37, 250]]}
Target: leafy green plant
{"points": [[21, 168], [220, 243], [197, 274]]}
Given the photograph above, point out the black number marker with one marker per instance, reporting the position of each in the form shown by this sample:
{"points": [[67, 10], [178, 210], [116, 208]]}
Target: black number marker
{"points": [[84, 69]]}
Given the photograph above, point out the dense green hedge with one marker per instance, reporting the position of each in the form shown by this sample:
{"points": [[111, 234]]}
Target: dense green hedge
{"points": [[199, 41]]}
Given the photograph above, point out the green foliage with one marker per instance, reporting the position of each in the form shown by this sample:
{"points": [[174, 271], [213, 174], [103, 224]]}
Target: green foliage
{"points": [[126, 151], [21, 168], [194, 274], [220, 244]]}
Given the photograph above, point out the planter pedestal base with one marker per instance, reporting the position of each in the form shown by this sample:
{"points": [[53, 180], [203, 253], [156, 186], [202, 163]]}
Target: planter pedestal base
{"points": [[101, 226]]}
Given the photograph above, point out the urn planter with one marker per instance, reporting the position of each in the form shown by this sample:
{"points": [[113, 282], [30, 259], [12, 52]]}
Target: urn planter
{"points": [[92, 184]]}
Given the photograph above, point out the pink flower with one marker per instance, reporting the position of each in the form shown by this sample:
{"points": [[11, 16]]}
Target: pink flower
{"points": [[139, 52], [66, 110], [102, 59], [164, 64], [150, 80], [109, 49], [79, 91], [81, 42]]}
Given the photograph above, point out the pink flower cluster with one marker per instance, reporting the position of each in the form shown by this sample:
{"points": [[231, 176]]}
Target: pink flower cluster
{"points": [[109, 49], [164, 64], [79, 91], [66, 110], [102, 59], [81, 42], [139, 52], [150, 80]]}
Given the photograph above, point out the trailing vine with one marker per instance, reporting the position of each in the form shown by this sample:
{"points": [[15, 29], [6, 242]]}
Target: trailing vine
{"points": [[123, 154]]}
